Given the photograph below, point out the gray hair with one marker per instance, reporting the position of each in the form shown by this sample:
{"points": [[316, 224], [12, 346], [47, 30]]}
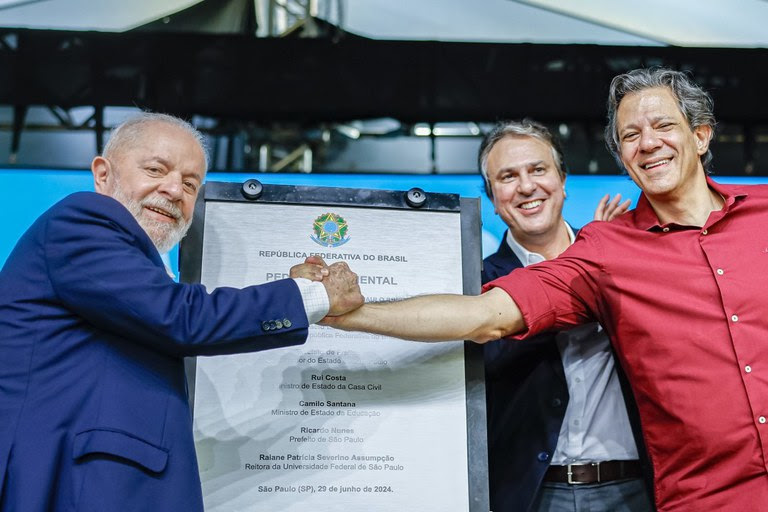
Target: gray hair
{"points": [[128, 132], [524, 128], [694, 102]]}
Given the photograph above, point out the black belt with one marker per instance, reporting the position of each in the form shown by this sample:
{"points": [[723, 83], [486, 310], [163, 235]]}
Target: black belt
{"points": [[595, 472]]}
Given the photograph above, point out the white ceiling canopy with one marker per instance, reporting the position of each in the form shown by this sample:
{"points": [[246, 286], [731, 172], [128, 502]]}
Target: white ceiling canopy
{"points": [[101, 15], [497, 21], [708, 23]]}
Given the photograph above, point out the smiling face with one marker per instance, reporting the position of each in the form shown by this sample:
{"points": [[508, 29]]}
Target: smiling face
{"points": [[156, 176], [527, 187], [657, 146]]}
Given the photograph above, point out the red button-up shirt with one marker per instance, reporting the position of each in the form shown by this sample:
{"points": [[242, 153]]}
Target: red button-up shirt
{"points": [[686, 308]]}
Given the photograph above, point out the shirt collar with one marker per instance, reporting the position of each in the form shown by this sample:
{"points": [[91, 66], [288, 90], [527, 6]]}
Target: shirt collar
{"points": [[527, 257], [646, 218], [167, 264]]}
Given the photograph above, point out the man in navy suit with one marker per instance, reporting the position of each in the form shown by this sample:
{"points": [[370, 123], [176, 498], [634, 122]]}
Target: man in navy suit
{"points": [[554, 404], [93, 403]]}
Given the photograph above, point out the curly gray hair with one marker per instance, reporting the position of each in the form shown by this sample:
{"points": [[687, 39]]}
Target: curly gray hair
{"points": [[694, 102]]}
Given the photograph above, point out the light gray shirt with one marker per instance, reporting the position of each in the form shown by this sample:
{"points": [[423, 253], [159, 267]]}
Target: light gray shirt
{"points": [[596, 427]]}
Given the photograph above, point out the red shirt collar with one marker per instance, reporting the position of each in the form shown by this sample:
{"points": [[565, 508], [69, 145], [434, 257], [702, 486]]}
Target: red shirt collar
{"points": [[646, 219]]}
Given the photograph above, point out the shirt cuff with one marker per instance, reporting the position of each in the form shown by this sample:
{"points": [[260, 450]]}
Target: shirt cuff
{"points": [[315, 298], [528, 293]]}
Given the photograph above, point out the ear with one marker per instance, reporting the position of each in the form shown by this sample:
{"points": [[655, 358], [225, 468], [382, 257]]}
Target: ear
{"points": [[565, 194], [493, 202], [102, 175], [702, 134], [489, 194]]}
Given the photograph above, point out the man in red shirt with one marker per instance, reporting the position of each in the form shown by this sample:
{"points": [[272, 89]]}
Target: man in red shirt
{"points": [[679, 284]]}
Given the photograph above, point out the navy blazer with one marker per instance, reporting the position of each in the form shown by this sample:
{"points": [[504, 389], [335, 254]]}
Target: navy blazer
{"points": [[93, 403], [526, 399]]}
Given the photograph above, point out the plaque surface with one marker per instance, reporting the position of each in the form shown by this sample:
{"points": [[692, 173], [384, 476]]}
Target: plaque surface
{"points": [[347, 421]]}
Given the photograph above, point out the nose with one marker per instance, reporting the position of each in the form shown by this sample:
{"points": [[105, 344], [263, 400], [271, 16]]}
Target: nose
{"points": [[171, 187], [526, 184], [649, 141]]}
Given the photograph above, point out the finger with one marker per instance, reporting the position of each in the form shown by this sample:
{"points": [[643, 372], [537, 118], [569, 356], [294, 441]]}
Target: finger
{"points": [[329, 321], [321, 269], [313, 272], [340, 265], [610, 209], [315, 260], [616, 209], [623, 207], [601, 207]]}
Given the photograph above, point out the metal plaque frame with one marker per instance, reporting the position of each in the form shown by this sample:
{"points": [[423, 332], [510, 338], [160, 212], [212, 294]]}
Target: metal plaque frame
{"points": [[252, 191]]}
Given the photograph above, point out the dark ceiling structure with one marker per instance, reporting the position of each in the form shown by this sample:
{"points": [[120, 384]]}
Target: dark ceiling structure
{"points": [[239, 79]]}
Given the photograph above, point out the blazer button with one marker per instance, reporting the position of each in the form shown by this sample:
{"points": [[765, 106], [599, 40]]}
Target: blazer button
{"points": [[272, 325], [286, 323], [278, 324], [543, 456], [265, 325], [556, 402]]}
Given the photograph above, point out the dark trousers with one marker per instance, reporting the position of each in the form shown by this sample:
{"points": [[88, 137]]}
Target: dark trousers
{"points": [[619, 496]]}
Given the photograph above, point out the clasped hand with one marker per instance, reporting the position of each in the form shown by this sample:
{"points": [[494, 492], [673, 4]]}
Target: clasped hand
{"points": [[340, 283]]}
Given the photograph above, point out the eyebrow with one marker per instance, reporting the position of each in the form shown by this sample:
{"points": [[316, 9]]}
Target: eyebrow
{"points": [[167, 163], [196, 176], [523, 166], [653, 120], [157, 159]]}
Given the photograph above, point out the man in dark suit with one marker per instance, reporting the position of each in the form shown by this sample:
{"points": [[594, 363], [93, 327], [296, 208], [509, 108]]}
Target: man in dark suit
{"points": [[554, 404], [93, 332]]}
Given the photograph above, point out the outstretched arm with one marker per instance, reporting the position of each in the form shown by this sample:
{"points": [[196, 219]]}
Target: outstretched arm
{"points": [[480, 318]]}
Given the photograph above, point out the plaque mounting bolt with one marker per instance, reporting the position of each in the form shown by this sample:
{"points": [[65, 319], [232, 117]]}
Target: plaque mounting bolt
{"points": [[415, 198], [252, 189]]}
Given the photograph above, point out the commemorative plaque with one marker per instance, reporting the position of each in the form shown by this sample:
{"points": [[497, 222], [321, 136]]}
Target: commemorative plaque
{"points": [[348, 421]]}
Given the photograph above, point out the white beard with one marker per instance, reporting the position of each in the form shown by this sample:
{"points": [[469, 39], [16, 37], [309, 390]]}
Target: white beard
{"points": [[164, 235]]}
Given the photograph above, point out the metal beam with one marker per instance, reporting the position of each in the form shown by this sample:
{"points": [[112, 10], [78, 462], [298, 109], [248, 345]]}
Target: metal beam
{"points": [[312, 80]]}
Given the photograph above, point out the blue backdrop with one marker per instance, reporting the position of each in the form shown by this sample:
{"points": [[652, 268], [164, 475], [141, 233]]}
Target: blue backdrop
{"points": [[25, 194]]}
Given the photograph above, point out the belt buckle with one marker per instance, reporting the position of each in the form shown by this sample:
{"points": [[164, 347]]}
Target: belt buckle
{"points": [[569, 473]]}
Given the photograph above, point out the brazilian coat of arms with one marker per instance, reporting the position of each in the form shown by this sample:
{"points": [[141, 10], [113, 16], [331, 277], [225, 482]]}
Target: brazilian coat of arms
{"points": [[330, 230]]}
